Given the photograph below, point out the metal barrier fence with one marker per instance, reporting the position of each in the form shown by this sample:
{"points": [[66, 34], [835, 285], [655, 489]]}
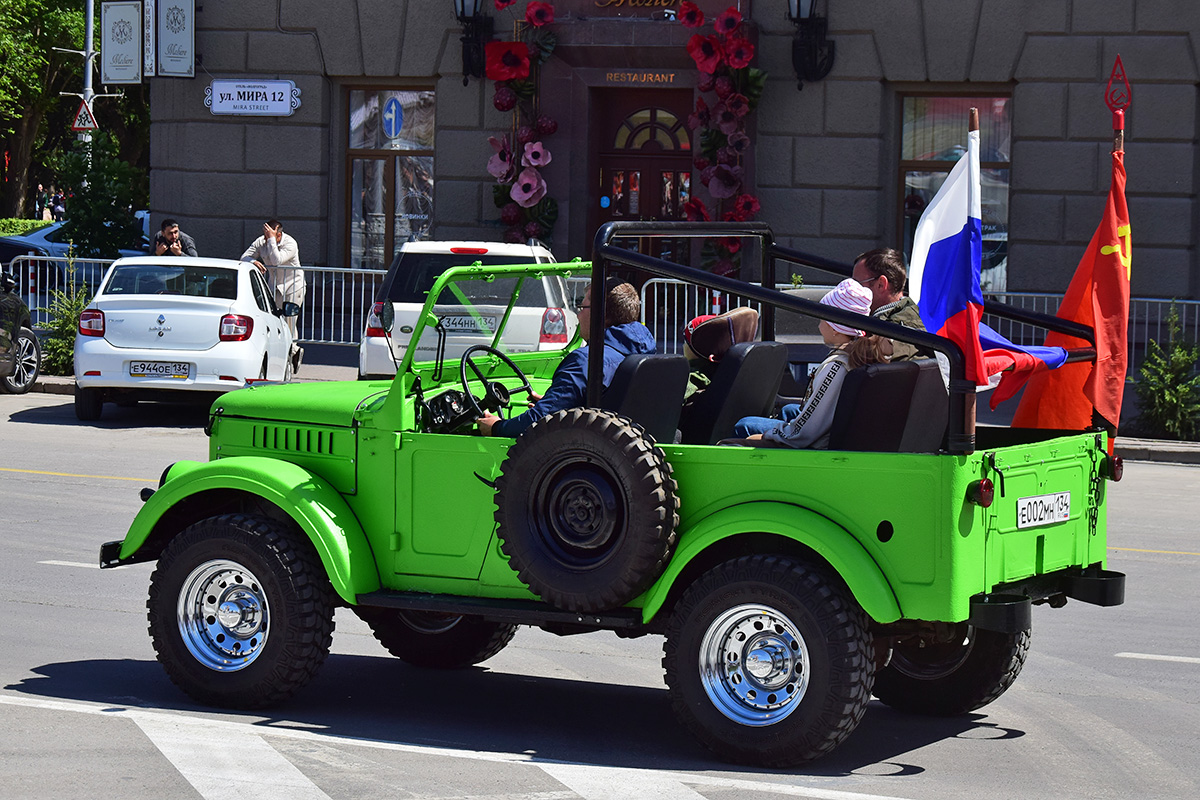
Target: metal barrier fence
{"points": [[337, 302]]}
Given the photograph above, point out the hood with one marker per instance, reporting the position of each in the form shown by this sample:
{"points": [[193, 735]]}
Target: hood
{"points": [[629, 339], [325, 403]]}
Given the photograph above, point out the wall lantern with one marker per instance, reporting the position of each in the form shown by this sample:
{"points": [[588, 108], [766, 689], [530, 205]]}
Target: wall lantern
{"points": [[812, 53], [476, 32]]}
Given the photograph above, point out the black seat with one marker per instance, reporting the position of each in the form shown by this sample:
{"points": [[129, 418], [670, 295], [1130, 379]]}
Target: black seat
{"points": [[929, 412], [648, 388], [873, 407], [745, 384]]}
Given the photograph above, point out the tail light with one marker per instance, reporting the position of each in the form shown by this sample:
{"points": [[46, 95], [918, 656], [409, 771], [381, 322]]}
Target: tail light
{"points": [[1115, 467], [236, 328], [469, 251], [981, 492], [554, 327], [91, 322], [374, 324]]}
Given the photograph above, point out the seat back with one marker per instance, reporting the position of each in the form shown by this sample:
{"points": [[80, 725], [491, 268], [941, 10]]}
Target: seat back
{"points": [[929, 413], [745, 384], [648, 388], [873, 407]]}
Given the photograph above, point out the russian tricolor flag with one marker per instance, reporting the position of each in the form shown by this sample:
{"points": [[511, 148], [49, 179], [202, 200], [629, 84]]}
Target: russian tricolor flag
{"points": [[946, 257]]}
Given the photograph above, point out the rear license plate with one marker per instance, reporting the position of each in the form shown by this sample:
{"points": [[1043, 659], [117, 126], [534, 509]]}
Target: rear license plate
{"points": [[1044, 509], [465, 323], [158, 369]]}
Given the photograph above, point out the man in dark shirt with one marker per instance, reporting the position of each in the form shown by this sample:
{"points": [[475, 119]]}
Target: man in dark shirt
{"points": [[170, 241], [882, 271]]}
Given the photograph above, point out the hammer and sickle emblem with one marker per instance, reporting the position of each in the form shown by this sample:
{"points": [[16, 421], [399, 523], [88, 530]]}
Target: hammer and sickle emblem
{"points": [[1123, 249]]}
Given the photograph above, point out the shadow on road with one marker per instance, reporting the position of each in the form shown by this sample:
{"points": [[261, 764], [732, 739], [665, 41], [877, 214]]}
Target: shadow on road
{"points": [[184, 414], [381, 698]]}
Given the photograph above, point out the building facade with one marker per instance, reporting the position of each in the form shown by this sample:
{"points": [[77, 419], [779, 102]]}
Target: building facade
{"points": [[388, 142]]}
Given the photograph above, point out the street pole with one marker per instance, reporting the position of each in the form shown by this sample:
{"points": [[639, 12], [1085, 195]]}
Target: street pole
{"points": [[88, 53]]}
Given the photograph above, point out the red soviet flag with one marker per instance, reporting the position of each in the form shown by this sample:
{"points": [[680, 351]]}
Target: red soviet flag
{"points": [[1098, 297]]}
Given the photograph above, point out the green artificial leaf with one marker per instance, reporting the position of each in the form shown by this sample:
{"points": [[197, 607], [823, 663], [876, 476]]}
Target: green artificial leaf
{"points": [[544, 43], [712, 140], [525, 88], [752, 83], [501, 195]]}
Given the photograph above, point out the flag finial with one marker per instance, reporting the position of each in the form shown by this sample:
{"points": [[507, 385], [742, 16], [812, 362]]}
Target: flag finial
{"points": [[1118, 97]]}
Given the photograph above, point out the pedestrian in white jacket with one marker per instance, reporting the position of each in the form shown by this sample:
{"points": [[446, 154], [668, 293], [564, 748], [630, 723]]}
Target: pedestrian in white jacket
{"points": [[278, 256]]}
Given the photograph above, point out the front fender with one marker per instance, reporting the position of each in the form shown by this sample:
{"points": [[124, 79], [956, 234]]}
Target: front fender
{"points": [[830, 541], [310, 501]]}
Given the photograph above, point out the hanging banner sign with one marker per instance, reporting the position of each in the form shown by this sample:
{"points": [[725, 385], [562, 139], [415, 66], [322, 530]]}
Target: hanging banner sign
{"points": [[149, 50], [85, 120], [177, 39], [121, 43], [253, 98]]}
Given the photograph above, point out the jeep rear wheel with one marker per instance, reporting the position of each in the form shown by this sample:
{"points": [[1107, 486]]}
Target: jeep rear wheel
{"points": [[947, 678], [768, 661], [240, 610], [587, 509], [435, 640]]}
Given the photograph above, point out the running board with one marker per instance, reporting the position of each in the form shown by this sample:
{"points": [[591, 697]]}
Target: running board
{"points": [[518, 612]]}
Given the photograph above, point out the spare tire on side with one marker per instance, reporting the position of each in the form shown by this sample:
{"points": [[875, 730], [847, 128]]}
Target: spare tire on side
{"points": [[587, 509]]}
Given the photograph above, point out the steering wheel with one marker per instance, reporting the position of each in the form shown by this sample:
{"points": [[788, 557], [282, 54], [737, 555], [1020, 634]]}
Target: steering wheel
{"points": [[496, 395]]}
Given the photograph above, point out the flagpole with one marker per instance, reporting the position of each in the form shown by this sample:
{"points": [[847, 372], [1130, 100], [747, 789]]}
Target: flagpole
{"points": [[969, 398]]}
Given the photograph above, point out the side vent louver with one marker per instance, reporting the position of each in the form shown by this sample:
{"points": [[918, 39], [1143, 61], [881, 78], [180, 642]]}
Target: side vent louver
{"points": [[296, 440]]}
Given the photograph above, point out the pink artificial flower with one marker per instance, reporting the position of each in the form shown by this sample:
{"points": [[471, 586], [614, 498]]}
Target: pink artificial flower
{"points": [[723, 86], [706, 82], [701, 163], [506, 61], [727, 155], [731, 244], [538, 14], [725, 119], [529, 188], [511, 214], [536, 155], [706, 174], [728, 21], [500, 165], [739, 52], [738, 104], [706, 51], [701, 116], [690, 15], [696, 210], [503, 4], [739, 142], [747, 205], [725, 182]]}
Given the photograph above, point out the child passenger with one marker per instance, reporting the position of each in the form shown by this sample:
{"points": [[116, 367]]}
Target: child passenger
{"points": [[808, 424]]}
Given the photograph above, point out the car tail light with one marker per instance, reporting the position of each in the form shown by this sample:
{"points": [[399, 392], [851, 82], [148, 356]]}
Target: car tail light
{"points": [[470, 251], [91, 322], [1115, 468], [981, 492], [554, 327], [374, 325], [236, 328]]}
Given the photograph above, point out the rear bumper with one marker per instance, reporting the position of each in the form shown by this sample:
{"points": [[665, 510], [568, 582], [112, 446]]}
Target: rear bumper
{"points": [[1007, 608]]}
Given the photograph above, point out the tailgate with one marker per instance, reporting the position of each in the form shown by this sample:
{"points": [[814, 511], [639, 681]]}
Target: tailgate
{"points": [[179, 324], [1048, 511]]}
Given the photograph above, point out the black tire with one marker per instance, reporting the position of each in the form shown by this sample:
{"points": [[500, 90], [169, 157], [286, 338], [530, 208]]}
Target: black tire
{"points": [[27, 363], [587, 509], [269, 576], [768, 661], [89, 404], [951, 678], [438, 641]]}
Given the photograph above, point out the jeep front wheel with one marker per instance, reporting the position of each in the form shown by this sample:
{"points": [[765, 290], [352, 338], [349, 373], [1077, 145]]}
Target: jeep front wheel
{"points": [[435, 640], [768, 661], [241, 612], [970, 670]]}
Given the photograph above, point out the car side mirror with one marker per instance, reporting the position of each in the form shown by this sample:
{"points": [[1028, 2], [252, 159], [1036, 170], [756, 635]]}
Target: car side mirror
{"points": [[387, 316], [290, 309]]}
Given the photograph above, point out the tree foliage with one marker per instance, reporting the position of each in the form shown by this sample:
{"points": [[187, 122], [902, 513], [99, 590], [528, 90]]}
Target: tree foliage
{"points": [[101, 220], [1169, 388]]}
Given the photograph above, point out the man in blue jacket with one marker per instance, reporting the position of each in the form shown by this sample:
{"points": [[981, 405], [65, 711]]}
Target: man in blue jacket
{"points": [[623, 336]]}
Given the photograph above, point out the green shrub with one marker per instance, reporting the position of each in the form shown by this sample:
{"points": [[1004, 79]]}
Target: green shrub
{"points": [[58, 348], [17, 227], [1168, 389]]}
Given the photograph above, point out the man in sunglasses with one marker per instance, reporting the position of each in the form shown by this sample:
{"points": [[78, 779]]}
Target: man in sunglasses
{"points": [[882, 271], [623, 336]]}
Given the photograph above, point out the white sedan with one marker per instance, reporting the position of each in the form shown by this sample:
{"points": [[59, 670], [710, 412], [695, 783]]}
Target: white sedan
{"points": [[159, 326]]}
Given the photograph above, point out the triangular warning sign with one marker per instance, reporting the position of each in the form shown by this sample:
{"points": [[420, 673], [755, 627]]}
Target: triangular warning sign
{"points": [[84, 119]]}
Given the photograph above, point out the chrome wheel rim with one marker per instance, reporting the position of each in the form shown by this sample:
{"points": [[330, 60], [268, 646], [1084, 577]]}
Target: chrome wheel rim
{"points": [[754, 665], [26, 364], [223, 615]]}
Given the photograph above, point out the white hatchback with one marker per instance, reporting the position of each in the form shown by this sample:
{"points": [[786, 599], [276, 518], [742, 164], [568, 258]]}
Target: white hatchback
{"points": [[540, 320], [160, 326]]}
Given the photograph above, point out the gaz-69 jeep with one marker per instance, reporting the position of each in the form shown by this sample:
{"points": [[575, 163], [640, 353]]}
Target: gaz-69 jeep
{"points": [[790, 585]]}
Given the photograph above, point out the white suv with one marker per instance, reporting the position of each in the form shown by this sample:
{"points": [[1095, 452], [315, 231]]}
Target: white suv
{"points": [[541, 320]]}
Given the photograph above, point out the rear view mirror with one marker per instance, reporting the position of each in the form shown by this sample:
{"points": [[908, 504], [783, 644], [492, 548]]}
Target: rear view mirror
{"points": [[387, 316], [290, 309]]}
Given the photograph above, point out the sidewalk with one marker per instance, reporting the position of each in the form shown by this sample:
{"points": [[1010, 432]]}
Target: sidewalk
{"points": [[1129, 449]]}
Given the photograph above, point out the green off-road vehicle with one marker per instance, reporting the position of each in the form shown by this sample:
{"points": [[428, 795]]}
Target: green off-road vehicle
{"points": [[790, 585]]}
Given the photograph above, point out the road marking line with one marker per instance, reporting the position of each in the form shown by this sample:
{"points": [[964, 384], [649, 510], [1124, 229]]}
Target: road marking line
{"points": [[612, 783], [70, 564], [215, 731], [227, 765], [73, 475], [1161, 552], [1154, 657]]}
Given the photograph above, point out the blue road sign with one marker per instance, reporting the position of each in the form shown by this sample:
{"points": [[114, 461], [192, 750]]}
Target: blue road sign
{"points": [[393, 118]]}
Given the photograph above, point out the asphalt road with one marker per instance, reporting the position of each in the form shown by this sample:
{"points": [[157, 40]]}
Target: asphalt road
{"points": [[1106, 706]]}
